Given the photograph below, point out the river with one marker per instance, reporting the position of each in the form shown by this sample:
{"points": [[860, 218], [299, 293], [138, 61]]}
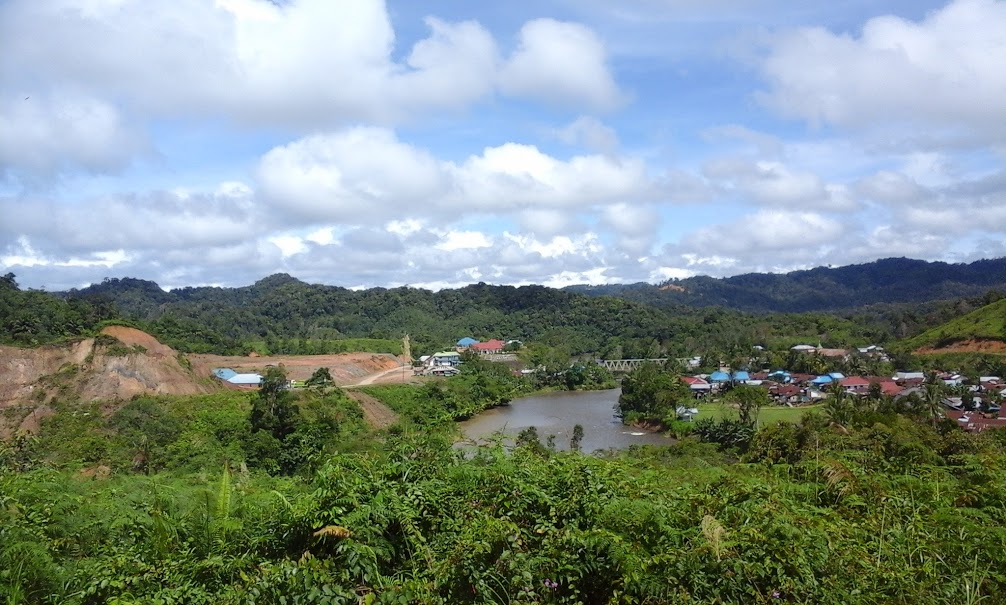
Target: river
{"points": [[557, 414]]}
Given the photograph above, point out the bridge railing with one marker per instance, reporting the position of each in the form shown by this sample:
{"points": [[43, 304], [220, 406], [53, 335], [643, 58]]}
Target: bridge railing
{"points": [[628, 365]]}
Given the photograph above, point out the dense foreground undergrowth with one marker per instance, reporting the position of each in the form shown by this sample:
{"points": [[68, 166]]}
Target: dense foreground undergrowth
{"points": [[893, 512]]}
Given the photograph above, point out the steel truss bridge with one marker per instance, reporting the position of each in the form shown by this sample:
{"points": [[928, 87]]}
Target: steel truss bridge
{"points": [[628, 365]]}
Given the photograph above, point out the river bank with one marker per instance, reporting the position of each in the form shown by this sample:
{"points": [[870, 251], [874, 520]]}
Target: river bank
{"points": [[556, 414]]}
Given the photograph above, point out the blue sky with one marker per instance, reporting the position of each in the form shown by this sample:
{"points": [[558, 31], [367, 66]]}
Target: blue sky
{"points": [[441, 143]]}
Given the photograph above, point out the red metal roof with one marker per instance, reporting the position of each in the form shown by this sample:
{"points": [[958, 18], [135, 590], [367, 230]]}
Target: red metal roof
{"points": [[975, 422], [854, 381], [489, 345]]}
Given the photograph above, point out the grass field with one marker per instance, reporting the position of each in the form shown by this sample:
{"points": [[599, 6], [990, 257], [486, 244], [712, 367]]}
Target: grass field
{"points": [[768, 414]]}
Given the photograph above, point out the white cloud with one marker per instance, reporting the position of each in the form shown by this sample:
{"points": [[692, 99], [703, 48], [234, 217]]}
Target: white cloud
{"points": [[589, 132], [893, 188], [156, 221], [944, 71], [368, 175], [773, 183], [355, 175], [461, 240], [561, 63], [306, 64], [44, 134]]}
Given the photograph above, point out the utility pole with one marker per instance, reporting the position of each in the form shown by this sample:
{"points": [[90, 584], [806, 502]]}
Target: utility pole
{"points": [[407, 353]]}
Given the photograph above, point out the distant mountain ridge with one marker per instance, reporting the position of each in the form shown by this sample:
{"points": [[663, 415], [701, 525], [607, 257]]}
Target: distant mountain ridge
{"points": [[890, 280]]}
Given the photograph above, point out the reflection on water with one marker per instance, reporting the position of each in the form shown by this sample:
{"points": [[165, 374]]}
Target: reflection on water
{"points": [[557, 414]]}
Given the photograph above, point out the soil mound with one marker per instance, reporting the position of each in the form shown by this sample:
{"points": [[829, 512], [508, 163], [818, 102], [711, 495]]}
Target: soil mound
{"points": [[119, 364]]}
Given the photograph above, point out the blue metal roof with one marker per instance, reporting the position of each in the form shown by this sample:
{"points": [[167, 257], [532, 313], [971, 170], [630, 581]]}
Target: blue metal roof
{"points": [[822, 380], [719, 376], [224, 373], [742, 376], [467, 341]]}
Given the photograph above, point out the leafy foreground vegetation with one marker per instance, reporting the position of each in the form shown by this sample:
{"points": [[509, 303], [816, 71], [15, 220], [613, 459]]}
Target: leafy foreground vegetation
{"points": [[894, 512]]}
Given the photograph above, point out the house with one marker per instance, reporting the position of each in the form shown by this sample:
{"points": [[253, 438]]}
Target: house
{"points": [[780, 376], [246, 380], [224, 373], [488, 347], [686, 414], [804, 348], [445, 358], [698, 386], [466, 342], [976, 422], [855, 384], [801, 378], [741, 376], [899, 376], [719, 376], [786, 393]]}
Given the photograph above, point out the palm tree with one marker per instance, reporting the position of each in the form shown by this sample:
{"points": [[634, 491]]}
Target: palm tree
{"points": [[836, 406], [932, 398]]}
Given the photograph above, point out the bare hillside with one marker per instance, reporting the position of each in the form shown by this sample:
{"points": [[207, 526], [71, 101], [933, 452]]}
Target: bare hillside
{"points": [[117, 365]]}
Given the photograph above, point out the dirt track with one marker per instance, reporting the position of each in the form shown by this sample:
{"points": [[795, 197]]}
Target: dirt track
{"points": [[375, 413]]}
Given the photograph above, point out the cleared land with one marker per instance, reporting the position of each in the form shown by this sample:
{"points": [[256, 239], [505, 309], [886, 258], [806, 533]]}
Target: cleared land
{"points": [[346, 368]]}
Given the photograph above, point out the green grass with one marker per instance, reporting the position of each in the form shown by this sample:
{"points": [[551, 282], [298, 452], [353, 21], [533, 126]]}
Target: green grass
{"points": [[987, 323], [768, 414]]}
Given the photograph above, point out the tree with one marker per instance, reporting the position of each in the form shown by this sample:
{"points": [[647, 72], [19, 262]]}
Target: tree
{"points": [[272, 409], [837, 406], [321, 377], [749, 401], [577, 438], [651, 392], [932, 398]]}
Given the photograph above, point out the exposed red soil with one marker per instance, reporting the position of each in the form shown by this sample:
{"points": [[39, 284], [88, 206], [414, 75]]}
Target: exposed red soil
{"points": [[83, 371], [346, 368], [972, 345], [30, 379]]}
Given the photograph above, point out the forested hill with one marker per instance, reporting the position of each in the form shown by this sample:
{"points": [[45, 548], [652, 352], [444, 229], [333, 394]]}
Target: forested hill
{"points": [[281, 307], [891, 280], [981, 330]]}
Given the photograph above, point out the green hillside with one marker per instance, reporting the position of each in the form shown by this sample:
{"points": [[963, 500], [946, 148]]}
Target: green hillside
{"points": [[987, 324], [886, 281]]}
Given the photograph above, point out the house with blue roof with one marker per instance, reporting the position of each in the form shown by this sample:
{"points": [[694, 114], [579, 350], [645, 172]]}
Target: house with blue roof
{"points": [[224, 373], [466, 342], [719, 376], [246, 380]]}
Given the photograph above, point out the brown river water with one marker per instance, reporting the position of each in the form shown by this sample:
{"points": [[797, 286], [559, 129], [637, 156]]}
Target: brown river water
{"points": [[557, 414]]}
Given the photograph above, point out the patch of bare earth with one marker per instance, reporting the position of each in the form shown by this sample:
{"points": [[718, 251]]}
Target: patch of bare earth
{"points": [[375, 413], [346, 368], [30, 379], [972, 345]]}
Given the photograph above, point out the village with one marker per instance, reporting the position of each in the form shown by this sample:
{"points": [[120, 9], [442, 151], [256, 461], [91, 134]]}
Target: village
{"points": [[973, 403]]}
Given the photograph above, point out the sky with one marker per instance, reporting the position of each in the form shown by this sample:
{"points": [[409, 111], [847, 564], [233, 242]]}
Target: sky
{"points": [[435, 144]]}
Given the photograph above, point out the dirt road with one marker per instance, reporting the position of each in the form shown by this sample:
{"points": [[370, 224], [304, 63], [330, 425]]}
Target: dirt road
{"points": [[383, 376]]}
